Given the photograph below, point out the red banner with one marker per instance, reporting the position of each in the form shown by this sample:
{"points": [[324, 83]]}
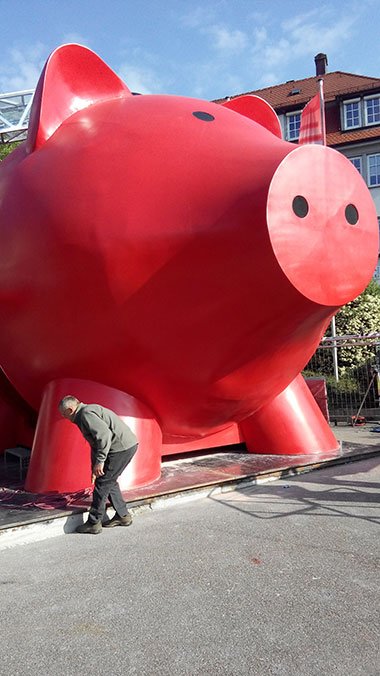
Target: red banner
{"points": [[311, 129]]}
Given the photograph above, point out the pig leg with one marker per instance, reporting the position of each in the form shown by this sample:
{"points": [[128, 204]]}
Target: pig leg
{"points": [[291, 424], [60, 459]]}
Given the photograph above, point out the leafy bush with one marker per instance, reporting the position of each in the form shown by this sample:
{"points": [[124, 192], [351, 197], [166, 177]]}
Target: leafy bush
{"points": [[360, 317]]}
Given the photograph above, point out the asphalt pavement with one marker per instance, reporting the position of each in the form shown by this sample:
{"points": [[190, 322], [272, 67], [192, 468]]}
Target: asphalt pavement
{"points": [[276, 579]]}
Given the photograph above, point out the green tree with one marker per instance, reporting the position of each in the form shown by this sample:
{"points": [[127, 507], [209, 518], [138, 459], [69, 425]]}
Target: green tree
{"points": [[359, 317]]}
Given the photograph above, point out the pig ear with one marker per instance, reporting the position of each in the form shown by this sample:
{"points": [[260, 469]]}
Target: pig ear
{"points": [[73, 78], [257, 110]]}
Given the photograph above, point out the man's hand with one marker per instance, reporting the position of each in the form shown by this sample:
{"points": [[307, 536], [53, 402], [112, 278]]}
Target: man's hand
{"points": [[97, 470]]}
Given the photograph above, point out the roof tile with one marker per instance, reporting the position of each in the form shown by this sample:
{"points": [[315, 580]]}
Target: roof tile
{"points": [[336, 85]]}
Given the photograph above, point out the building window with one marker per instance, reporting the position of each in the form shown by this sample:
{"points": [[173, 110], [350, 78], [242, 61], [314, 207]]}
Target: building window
{"points": [[352, 116], [372, 110], [293, 121], [357, 162], [359, 112], [374, 169]]}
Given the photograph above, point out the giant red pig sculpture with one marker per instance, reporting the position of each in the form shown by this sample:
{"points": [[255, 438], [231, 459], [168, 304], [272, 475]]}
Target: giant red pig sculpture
{"points": [[173, 259]]}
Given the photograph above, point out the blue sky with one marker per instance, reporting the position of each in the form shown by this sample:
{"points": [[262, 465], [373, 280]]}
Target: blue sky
{"points": [[206, 49]]}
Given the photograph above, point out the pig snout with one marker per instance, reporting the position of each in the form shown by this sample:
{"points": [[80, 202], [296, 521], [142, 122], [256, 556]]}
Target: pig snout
{"points": [[322, 225]]}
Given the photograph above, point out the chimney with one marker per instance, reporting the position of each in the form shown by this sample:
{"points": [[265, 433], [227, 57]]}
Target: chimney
{"points": [[320, 64]]}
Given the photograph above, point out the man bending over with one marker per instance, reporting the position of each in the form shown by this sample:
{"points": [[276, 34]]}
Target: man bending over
{"points": [[113, 445]]}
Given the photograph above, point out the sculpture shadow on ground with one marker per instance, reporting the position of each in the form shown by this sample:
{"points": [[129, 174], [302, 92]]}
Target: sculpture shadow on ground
{"points": [[330, 491]]}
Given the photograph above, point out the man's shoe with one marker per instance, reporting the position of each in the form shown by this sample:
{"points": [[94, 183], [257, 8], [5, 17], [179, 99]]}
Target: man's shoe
{"points": [[118, 521], [94, 528]]}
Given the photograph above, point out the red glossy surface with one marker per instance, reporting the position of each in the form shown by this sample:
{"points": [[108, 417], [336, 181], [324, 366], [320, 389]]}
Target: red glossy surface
{"points": [[256, 109], [149, 243], [291, 424]]}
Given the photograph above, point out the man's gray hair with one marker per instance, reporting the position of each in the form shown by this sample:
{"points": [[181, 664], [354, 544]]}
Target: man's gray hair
{"points": [[68, 402]]}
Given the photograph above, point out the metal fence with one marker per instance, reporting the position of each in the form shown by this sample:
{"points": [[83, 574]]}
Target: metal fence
{"points": [[351, 367]]}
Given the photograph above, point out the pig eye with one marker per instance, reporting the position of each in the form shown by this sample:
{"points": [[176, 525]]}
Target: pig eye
{"points": [[300, 206], [351, 214], [206, 117]]}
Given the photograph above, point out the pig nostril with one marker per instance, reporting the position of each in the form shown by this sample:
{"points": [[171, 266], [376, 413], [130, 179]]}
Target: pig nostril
{"points": [[351, 214], [300, 206]]}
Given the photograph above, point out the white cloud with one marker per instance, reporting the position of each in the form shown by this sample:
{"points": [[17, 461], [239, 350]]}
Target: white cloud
{"points": [[233, 83], [304, 35], [225, 39], [198, 17], [75, 38], [21, 68], [261, 51], [323, 29], [267, 79], [224, 49], [140, 79], [260, 36]]}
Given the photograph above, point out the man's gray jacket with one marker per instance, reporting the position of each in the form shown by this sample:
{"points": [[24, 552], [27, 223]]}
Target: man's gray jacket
{"points": [[104, 430]]}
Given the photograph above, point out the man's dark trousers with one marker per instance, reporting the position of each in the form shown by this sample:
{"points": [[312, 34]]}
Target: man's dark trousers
{"points": [[107, 486]]}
